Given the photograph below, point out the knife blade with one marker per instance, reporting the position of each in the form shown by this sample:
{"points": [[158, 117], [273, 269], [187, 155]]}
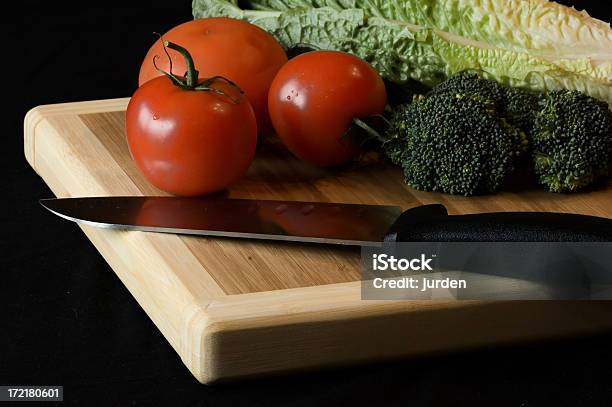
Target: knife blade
{"points": [[318, 222], [322, 222]]}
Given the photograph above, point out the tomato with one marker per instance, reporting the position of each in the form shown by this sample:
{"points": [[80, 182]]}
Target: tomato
{"points": [[314, 99], [235, 49], [190, 142]]}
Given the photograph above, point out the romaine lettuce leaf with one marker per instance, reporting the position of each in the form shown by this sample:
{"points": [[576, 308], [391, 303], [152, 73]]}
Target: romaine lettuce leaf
{"points": [[401, 51], [552, 31]]}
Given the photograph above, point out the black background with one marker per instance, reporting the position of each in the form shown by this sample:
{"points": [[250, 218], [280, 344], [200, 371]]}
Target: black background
{"points": [[66, 319]]}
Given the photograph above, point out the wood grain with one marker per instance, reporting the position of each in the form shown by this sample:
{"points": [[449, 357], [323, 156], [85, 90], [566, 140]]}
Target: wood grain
{"points": [[239, 308], [243, 267]]}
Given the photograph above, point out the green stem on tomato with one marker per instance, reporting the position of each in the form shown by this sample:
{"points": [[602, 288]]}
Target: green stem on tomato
{"points": [[191, 81], [368, 129], [192, 74]]}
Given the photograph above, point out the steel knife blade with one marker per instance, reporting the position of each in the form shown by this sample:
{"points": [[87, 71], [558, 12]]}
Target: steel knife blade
{"points": [[319, 222], [322, 222]]}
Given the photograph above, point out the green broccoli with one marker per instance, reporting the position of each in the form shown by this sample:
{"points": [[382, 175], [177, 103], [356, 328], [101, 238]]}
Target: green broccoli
{"points": [[472, 84], [453, 142], [468, 134], [520, 107], [571, 141], [515, 106]]}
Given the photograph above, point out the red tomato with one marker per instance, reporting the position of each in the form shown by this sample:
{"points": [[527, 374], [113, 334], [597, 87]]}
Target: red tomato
{"points": [[190, 142], [235, 49], [315, 97]]}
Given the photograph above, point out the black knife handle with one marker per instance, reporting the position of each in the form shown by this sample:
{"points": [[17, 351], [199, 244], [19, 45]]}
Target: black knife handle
{"points": [[431, 223]]}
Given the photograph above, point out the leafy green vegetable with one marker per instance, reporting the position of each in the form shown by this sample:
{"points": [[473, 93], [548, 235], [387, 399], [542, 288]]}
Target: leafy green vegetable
{"points": [[560, 34], [572, 141], [401, 51]]}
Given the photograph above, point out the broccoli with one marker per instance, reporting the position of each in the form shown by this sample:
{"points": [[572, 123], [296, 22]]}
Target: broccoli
{"points": [[520, 107], [472, 84], [571, 141], [453, 142], [515, 106], [469, 133]]}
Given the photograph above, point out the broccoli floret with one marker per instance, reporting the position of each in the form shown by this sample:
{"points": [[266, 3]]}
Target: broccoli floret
{"points": [[453, 142], [572, 141], [515, 106], [475, 86], [520, 107]]}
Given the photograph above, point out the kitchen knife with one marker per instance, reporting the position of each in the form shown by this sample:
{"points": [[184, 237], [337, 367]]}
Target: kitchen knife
{"points": [[321, 222]]}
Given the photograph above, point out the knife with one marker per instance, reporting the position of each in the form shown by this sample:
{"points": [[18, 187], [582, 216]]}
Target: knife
{"points": [[322, 222]]}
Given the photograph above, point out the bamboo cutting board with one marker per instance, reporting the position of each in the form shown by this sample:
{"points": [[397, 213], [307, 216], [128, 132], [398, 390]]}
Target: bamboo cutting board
{"points": [[235, 308]]}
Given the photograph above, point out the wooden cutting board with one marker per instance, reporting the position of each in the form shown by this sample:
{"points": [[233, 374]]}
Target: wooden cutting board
{"points": [[235, 308]]}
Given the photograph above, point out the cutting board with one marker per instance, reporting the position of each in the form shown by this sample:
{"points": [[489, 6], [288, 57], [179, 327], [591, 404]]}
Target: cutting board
{"points": [[234, 308]]}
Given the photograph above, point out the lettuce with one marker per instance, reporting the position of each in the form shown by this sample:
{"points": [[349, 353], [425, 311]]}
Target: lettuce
{"points": [[559, 34], [401, 51]]}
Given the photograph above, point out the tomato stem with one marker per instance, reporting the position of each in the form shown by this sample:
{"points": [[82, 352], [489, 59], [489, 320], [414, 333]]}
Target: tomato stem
{"points": [[192, 74], [369, 129], [191, 81]]}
